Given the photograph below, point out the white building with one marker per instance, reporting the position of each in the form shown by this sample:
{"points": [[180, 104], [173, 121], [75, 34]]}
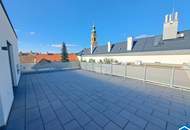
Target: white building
{"points": [[172, 47], [9, 67]]}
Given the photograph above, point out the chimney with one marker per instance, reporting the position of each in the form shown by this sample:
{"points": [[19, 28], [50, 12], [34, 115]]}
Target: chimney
{"points": [[109, 46], [166, 18], [170, 18], [170, 28], [129, 43], [176, 16]]}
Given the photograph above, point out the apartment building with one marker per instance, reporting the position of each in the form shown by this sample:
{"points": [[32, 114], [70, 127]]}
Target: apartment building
{"points": [[9, 64]]}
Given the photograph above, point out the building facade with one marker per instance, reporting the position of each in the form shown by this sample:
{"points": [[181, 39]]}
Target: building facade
{"points": [[172, 47], [10, 66]]}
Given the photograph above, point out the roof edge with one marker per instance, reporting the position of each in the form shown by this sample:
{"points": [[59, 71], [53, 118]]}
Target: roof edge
{"points": [[1, 3], [165, 52]]}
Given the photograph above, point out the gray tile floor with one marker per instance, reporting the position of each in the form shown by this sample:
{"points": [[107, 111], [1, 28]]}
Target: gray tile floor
{"points": [[76, 100]]}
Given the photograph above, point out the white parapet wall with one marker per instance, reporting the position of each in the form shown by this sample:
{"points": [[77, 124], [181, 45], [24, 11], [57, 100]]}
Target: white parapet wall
{"points": [[165, 57], [9, 72], [40, 67]]}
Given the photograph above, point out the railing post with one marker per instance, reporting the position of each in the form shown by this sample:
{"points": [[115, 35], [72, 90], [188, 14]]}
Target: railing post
{"points": [[125, 71], [101, 68], [111, 69], [92, 66], [145, 72], [86, 66], [172, 77]]}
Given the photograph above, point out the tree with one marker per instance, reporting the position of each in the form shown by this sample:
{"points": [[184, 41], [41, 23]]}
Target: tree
{"points": [[64, 54]]}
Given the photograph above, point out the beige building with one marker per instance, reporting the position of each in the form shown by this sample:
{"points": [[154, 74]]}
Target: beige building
{"points": [[172, 47]]}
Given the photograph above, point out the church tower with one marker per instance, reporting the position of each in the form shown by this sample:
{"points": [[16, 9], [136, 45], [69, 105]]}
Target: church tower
{"points": [[93, 37]]}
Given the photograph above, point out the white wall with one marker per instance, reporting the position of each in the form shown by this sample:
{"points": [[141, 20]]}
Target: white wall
{"points": [[6, 87], [166, 58]]}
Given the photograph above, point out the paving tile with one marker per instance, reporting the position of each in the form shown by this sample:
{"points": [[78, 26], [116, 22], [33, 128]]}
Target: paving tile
{"points": [[84, 106], [70, 105], [157, 108], [73, 125], [171, 127], [81, 117], [167, 118], [56, 104], [53, 125], [156, 121], [114, 108], [99, 118], [43, 104], [131, 126], [64, 116], [35, 125], [130, 109], [17, 114], [136, 106], [134, 119], [150, 126], [97, 106], [112, 126], [92, 126], [18, 124], [31, 104], [117, 119], [32, 114], [47, 115]]}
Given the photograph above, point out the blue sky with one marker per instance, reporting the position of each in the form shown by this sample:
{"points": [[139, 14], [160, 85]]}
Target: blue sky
{"points": [[42, 25]]}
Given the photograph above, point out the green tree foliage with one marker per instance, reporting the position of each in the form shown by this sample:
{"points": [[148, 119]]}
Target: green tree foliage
{"points": [[92, 61], [64, 54], [108, 61]]}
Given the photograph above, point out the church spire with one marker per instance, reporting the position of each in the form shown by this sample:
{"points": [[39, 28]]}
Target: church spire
{"points": [[93, 37]]}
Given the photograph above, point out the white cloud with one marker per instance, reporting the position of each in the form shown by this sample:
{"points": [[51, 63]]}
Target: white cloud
{"points": [[32, 33], [56, 45], [60, 45], [70, 47], [143, 36]]}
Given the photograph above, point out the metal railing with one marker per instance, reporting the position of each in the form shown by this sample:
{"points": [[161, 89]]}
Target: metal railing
{"points": [[165, 75]]}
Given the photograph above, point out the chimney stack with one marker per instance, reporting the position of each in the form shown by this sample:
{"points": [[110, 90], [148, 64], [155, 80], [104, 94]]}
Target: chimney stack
{"points": [[129, 43], [170, 28], [166, 18], [170, 18], [109, 46], [176, 16]]}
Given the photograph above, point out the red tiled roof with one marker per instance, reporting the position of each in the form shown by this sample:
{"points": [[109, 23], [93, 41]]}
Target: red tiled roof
{"points": [[36, 58], [49, 57], [73, 57]]}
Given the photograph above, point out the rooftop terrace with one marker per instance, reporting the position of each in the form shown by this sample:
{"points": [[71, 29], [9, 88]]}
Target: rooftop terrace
{"points": [[77, 99]]}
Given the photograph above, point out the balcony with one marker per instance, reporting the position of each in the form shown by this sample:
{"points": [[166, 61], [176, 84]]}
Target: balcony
{"points": [[78, 99]]}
